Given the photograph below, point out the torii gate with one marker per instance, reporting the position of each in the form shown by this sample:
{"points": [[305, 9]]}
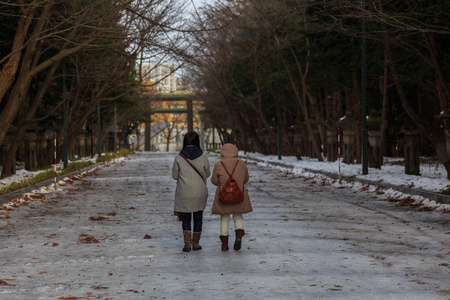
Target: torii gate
{"points": [[171, 97]]}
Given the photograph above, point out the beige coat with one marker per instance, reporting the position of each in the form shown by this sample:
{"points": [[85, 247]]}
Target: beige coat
{"points": [[229, 154]]}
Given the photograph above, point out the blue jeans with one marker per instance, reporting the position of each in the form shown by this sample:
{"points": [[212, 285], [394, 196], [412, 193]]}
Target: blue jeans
{"points": [[198, 220]]}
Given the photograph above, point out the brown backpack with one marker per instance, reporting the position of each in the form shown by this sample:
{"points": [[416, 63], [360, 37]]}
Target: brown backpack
{"points": [[231, 193]]}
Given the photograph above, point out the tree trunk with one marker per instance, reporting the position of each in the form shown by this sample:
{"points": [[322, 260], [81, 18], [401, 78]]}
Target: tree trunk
{"points": [[262, 117], [356, 106], [435, 137], [77, 123], [22, 128], [302, 101], [9, 158], [415, 117], [250, 130], [29, 69], [9, 70], [169, 135], [384, 109]]}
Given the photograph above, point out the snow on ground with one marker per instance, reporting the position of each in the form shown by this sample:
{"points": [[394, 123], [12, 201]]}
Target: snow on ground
{"points": [[113, 236], [432, 178], [19, 176], [39, 193], [22, 174]]}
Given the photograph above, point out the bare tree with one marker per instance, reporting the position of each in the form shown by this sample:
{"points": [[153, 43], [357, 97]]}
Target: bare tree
{"points": [[47, 32], [99, 42], [411, 34]]}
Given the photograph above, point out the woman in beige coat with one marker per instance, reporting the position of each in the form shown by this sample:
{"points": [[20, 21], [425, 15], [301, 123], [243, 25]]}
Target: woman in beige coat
{"points": [[229, 155]]}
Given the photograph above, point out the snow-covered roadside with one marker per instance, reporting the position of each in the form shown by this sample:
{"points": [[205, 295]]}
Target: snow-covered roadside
{"points": [[38, 194], [433, 177], [23, 174]]}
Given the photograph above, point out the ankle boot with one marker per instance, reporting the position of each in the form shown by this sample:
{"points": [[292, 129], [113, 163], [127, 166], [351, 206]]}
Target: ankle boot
{"points": [[187, 240], [195, 240], [224, 240], [238, 243]]}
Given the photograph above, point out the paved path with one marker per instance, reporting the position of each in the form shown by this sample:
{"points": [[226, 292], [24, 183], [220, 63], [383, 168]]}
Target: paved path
{"points": [[304, 241]]}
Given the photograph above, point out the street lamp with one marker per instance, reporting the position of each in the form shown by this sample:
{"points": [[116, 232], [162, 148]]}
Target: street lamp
{"points": [[364, 136], [245, 134], [115, 127], [65, 139], [279, 97], [99, 129]]}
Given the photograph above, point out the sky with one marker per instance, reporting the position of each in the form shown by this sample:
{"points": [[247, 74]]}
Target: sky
{"points": [[199, 3]]}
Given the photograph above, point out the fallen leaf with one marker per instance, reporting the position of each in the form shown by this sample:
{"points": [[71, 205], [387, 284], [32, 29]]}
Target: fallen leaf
{"points": [[100, 287], [4, 282], [87, 239], [99, 218]]}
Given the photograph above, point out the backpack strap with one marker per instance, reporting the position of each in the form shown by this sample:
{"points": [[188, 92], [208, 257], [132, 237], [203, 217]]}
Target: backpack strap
{"points": [[183, 156], [231, 175]]}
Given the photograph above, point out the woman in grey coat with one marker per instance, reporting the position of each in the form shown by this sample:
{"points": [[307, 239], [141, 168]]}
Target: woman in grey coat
{"points": [[190, 170]]}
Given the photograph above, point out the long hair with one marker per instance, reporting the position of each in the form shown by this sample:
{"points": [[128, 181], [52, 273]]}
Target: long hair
{"points": [[191, 139]]}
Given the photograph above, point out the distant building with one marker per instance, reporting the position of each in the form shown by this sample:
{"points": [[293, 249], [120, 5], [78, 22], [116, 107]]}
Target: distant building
{"points": [[165, 79]]}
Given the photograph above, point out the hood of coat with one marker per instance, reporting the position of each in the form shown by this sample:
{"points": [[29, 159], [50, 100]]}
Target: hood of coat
{"points": [[229, 151], [192, 152]]}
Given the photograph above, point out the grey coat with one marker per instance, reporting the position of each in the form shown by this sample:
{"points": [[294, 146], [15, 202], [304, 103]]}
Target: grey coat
{"points": [[191, 192]]}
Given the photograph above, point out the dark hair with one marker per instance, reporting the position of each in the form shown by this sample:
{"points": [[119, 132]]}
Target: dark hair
{"points": [[191, 139]]}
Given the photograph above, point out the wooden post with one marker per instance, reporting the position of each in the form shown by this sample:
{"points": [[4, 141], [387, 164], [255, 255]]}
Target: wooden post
{"points": [[147, 136], [349, 142], [333, 144], [190, 115], [412, 162]]}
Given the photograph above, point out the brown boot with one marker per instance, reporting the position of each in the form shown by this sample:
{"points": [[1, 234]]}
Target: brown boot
{"points": [[238, 243], [195, 240], [224, 240], [187, 240]]}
